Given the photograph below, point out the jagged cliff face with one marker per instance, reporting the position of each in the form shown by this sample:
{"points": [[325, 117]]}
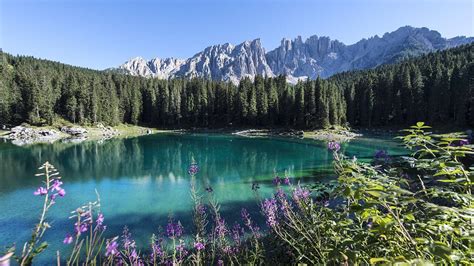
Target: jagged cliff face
{"points": [[157, 68], [227, 62], [320, 56], [310, 59], [297, 59]]}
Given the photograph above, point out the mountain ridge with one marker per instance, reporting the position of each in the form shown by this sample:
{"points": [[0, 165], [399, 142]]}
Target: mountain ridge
{"points": [[295, 58]]}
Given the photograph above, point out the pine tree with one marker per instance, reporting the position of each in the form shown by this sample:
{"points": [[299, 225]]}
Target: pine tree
{"points": [[300, 105], [262, 100]]}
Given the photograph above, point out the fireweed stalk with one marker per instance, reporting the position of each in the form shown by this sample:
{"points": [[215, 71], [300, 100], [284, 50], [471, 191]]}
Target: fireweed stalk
{"points": [[88, 230], [199, 217], [50, 191], [289, 217]]}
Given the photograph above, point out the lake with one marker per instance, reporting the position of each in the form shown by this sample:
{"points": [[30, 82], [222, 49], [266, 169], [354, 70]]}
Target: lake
{"points": [[144, 180]]}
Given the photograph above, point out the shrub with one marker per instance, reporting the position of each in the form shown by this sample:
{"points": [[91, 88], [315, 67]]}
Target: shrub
{"points": [[415, 209]]}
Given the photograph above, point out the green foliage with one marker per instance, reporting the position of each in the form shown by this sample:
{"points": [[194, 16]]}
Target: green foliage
{"points": [[417, 209], [38, 91], [435, 88]]}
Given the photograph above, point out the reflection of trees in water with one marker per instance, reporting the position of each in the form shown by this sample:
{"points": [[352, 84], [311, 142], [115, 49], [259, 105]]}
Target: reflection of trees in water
{"points": [[220, 158]]}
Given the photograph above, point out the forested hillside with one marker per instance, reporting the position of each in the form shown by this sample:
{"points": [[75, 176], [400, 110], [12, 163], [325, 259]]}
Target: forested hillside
{"points": [[436, 88]]}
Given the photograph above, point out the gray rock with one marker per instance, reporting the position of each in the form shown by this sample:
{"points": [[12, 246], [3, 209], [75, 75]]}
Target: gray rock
{"points": [[297, 59], [74, 131], [21, 135], [228, 62], [156, 68]]}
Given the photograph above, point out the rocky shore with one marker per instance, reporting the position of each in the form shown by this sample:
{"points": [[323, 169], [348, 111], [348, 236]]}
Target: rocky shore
{"points": [[336, 134], [22, 135], [25, 134], [270, 132], [339, 134]]}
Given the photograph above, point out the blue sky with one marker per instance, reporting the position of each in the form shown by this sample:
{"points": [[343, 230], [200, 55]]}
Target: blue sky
{"points": [[104, 33]]}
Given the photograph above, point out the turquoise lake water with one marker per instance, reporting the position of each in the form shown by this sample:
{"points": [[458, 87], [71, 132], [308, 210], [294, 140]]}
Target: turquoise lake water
{"points": [[143, 180]]}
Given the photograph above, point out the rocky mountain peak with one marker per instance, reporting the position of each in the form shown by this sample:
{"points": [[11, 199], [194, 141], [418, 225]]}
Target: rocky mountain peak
{"points": [[296, 58]]}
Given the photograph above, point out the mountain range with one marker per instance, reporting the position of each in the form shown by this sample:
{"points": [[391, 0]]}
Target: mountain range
{"points": [[297, 59]]}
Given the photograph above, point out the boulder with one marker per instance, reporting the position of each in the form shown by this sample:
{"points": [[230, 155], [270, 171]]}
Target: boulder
{"points": [[74, 131], [21, 135]]}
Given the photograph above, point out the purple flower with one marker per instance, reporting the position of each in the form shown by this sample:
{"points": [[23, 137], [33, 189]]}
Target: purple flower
{"points": [[134, 255], [111, 248], [182, 250], [236, 232], [463, 142], [280, 194], [286, 181], [221, 229], [270, 209], [334, 146], [41, 191], [193, 169], [56, 185], [369, 225], [68, 239], [100, 219], [199, 246], [53, 196], [220, 262], [182, 253], [61, 192], [83, 228], [80, 228], [127, 240], [157, 251], [228, 250], [174, 229], [277, 181], [300, 194], [201, 209]]}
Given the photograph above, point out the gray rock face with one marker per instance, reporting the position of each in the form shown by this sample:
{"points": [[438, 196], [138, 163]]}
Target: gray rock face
{"points": [[156, 68], [227, 62], [309, 59], [297, 59], [320, 56]]}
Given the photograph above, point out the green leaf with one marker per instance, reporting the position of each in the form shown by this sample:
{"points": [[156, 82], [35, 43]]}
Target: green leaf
{"points": [[377, 260]]}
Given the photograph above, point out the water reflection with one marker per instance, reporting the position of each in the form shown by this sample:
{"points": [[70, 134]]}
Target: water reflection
{"points": [[224, 159]]}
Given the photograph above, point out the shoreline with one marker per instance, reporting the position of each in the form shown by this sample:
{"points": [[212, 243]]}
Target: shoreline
{"points": [[27, 135], [338, 134], [71, 133]]}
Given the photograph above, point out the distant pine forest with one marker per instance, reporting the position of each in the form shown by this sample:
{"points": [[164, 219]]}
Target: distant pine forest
{"points": [[437, 88]]}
